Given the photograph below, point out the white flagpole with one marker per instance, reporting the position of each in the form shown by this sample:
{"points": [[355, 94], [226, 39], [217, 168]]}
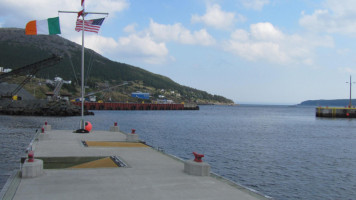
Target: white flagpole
{"points": [[82, 123]]}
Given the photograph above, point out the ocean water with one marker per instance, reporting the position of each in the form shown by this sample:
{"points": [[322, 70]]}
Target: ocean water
{"points": [[280, 151]]}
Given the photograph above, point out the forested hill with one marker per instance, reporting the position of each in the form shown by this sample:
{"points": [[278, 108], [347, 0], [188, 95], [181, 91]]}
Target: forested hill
{"points": [[18, 49], [334, 102]]}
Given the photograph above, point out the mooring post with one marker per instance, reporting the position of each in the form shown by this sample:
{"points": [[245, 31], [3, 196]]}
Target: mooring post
{"points": [[133, 137], [197, 167], [114, 128]]}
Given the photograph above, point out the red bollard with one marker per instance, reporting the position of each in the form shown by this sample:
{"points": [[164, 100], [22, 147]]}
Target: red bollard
{"points": [[133, 131], [42, 130], [198, 157], [115, 124], [31, 156], [46, 123]]}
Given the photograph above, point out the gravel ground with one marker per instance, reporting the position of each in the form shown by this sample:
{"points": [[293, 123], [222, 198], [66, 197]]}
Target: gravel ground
{"points": [[7, 87]]}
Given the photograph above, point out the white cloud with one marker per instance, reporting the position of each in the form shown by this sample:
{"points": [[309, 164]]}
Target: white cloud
{"points": [[18, 13], [110, 6], [266, 31], [148, 45], [254, 4], [346, 70], [144, 47], [134, 46], [216, 18], [240, 35], [344, 51], [203, 37], [334, 17], [100, 44], [130, 28], [347, 7], [266, 42], [179, 33]]}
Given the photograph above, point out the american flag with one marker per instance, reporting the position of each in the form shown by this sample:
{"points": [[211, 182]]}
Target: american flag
{"points": [[89, 25]]}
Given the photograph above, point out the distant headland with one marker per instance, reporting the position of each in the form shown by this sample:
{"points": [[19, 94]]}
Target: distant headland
{"points": [[323, 102]]}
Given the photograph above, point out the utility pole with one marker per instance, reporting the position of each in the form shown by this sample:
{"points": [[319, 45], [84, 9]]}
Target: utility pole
{"points": [[350, 103]]}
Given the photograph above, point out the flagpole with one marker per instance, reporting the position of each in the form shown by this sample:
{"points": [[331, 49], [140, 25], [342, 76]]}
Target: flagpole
{"points": [[82, 123]]}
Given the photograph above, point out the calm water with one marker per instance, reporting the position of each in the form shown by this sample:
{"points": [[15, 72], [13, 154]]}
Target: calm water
{"points": [[283, 152]]}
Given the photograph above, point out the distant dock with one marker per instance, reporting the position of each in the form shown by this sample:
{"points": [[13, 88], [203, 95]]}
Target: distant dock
{"points": [[136, 106], [336, 112]]}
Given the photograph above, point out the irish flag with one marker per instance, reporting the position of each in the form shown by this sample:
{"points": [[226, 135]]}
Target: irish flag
{"points": [[48, 26]]}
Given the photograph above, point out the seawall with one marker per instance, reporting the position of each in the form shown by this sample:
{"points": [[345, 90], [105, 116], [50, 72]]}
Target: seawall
{"points": [[337, 112], [135, 106]]}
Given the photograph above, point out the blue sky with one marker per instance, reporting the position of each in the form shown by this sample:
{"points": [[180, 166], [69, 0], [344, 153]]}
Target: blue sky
{"points": [[251, 51]]}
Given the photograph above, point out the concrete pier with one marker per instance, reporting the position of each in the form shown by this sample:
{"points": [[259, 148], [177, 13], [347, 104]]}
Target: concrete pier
{"points": [[337, 112], [103, 165]]}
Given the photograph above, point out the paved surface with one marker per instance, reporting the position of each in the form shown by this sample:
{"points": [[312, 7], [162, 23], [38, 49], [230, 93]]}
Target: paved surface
{"points": [[150, 175]]}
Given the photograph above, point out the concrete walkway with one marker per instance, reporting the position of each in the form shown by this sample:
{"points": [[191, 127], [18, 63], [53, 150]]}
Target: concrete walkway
{"points": [[150, 175]]}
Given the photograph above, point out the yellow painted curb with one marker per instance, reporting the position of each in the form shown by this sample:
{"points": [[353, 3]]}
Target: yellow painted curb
{"points": [[101, 163]]}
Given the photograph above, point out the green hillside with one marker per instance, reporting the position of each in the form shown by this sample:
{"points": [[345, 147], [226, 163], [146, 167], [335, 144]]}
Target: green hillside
{"points": [[18, 49], [331, 102]]}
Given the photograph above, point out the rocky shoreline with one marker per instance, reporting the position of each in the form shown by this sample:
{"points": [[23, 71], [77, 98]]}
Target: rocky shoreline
{"points": [[30, 106], [40, 108]]}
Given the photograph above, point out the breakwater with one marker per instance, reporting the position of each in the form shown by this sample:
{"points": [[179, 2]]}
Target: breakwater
{"points": [[65, 108], [336, 112], [136, 106], [40, 108]]}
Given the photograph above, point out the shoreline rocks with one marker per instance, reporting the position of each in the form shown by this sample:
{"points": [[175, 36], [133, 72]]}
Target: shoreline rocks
{"points": [[40, 108]]}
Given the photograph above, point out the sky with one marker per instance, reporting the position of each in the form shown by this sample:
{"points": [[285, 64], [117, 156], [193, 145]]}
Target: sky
{"points": [[250, 51]]}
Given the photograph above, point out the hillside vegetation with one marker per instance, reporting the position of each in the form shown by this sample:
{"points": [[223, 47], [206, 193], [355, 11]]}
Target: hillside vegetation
{"points": [[331, 102], [18, 49]]}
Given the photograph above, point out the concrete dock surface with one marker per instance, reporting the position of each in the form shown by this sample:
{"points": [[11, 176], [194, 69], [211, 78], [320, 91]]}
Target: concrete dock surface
{"points": [[148, 174]]}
